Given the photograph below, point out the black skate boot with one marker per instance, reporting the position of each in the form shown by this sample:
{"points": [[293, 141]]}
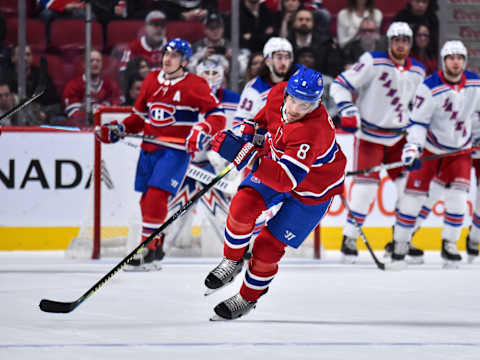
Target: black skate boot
{"points": [[414, 255], [349, 250], [223, 274], [233, 308], [472, 249], [144, 260], [450, 254], [399, 252]]}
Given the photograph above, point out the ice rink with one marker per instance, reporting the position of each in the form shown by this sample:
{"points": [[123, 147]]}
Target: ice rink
{"points": [[314, 310]]}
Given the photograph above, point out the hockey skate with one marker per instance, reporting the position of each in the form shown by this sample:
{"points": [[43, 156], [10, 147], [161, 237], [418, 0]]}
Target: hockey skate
{"points": [[233, 308], [398, 255], [349, 250], [450, 254], [472, 249], [223, 274], [159, 252], [144, 260], [414, 255]]}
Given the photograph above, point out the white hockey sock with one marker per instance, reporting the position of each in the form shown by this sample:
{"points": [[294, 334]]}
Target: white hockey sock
{"points": [[435, 193], [408, 208], [362, 196], [455, 206]]}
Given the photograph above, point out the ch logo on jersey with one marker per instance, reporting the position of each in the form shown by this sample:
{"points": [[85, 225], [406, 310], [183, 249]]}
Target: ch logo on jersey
{"points": [[289, 235], [162, 114]]}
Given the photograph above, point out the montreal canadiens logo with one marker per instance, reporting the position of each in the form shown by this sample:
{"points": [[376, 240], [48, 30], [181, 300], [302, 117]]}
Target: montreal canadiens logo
{"points": [[162, 114]]}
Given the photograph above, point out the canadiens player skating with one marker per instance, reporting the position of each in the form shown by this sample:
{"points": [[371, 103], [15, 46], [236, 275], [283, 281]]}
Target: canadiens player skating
{"points": [[169, 105], [302, 164]]}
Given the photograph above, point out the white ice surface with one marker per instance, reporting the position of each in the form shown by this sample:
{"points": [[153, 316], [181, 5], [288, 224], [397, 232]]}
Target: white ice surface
{"points": [[314, 310]]}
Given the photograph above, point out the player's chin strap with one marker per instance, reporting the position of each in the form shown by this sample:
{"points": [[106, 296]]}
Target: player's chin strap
{"points": [[398, 164]]}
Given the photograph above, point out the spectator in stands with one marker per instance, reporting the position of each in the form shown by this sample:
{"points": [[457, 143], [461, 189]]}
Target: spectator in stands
{"points": [[254, 65], [422, 12], [7, 101], [322, 15], [368, 38], [285, 16], [52, 9], [422, 49], [256, 25], [189, 10], [303, 33], [49, 105], [305, 56], [133, 89], [150, 45], [104, 92], [349, 19], [214, 42], [136, 67]]}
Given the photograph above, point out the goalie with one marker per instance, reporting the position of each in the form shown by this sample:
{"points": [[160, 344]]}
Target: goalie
{"points": [[302, 164]]}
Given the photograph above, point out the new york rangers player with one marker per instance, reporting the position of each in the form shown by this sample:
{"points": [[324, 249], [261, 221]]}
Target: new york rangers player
{"points": [[445, 107], [386, 84], [169, 105], [301, 163]]}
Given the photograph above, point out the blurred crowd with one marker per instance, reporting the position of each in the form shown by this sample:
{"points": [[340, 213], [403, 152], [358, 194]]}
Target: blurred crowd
{"points": [[129, 35]]}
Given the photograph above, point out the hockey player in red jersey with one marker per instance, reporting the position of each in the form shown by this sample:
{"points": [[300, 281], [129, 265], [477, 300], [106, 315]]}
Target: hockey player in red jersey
{"points": [[301, 164], [169, 105]]}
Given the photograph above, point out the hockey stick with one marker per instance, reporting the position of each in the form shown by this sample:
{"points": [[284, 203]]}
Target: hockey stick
{"points": [[398, 164], [379, 264], [53, 306], [20, 106]]}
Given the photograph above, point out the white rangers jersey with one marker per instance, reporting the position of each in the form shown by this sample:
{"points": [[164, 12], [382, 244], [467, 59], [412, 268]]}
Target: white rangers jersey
{"points": [[444, 114], [385, 93], [252, 99]]}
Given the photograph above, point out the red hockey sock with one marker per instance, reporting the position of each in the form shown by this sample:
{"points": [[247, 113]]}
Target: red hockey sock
{"points": [[246, 207], [154, 206], [267, 252]]}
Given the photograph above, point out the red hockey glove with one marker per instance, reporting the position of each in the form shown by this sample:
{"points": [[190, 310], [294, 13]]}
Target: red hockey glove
{"points": [[233, 148], [197, 139], [111, 132]]}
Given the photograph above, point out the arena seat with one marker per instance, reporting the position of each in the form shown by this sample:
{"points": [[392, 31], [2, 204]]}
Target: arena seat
{"points": [[224, 6], [123, 31], [59, 70], [9, 8], [35, 33], [68, 36], [191, 31]]}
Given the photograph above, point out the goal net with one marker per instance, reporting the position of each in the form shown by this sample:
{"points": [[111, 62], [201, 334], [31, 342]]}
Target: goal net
{"points": [[112, 224]]}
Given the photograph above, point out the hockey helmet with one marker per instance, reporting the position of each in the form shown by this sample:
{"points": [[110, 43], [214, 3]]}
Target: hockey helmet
{"points": [[306, 84], [453, 47], [275, 44], [212, 69], [180, 45], [399, 28]]}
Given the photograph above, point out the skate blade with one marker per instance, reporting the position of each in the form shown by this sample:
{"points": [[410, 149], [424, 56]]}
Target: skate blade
{"points": [[349, 259], [450, 264], [396, 265], [387, 255], [142, 268], [215, 317], [415, 260]]}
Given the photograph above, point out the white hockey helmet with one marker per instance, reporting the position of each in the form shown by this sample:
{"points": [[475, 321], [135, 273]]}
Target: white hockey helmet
{"points": [[399, 28], [275, 44], [213, 69], [453, 47]]}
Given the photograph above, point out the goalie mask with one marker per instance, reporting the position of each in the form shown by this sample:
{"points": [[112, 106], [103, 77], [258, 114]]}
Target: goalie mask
{"points": [[212, 70]]}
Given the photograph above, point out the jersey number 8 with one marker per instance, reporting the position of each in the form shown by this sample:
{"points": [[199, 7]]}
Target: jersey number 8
{"points": [[302, 152]]}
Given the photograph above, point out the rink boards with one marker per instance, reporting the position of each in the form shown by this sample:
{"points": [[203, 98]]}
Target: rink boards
{"points": [[45, 192]]}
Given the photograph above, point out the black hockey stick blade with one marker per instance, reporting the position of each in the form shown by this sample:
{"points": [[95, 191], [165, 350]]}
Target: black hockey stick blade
{"points": [[52, 306], [20, 106]]}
